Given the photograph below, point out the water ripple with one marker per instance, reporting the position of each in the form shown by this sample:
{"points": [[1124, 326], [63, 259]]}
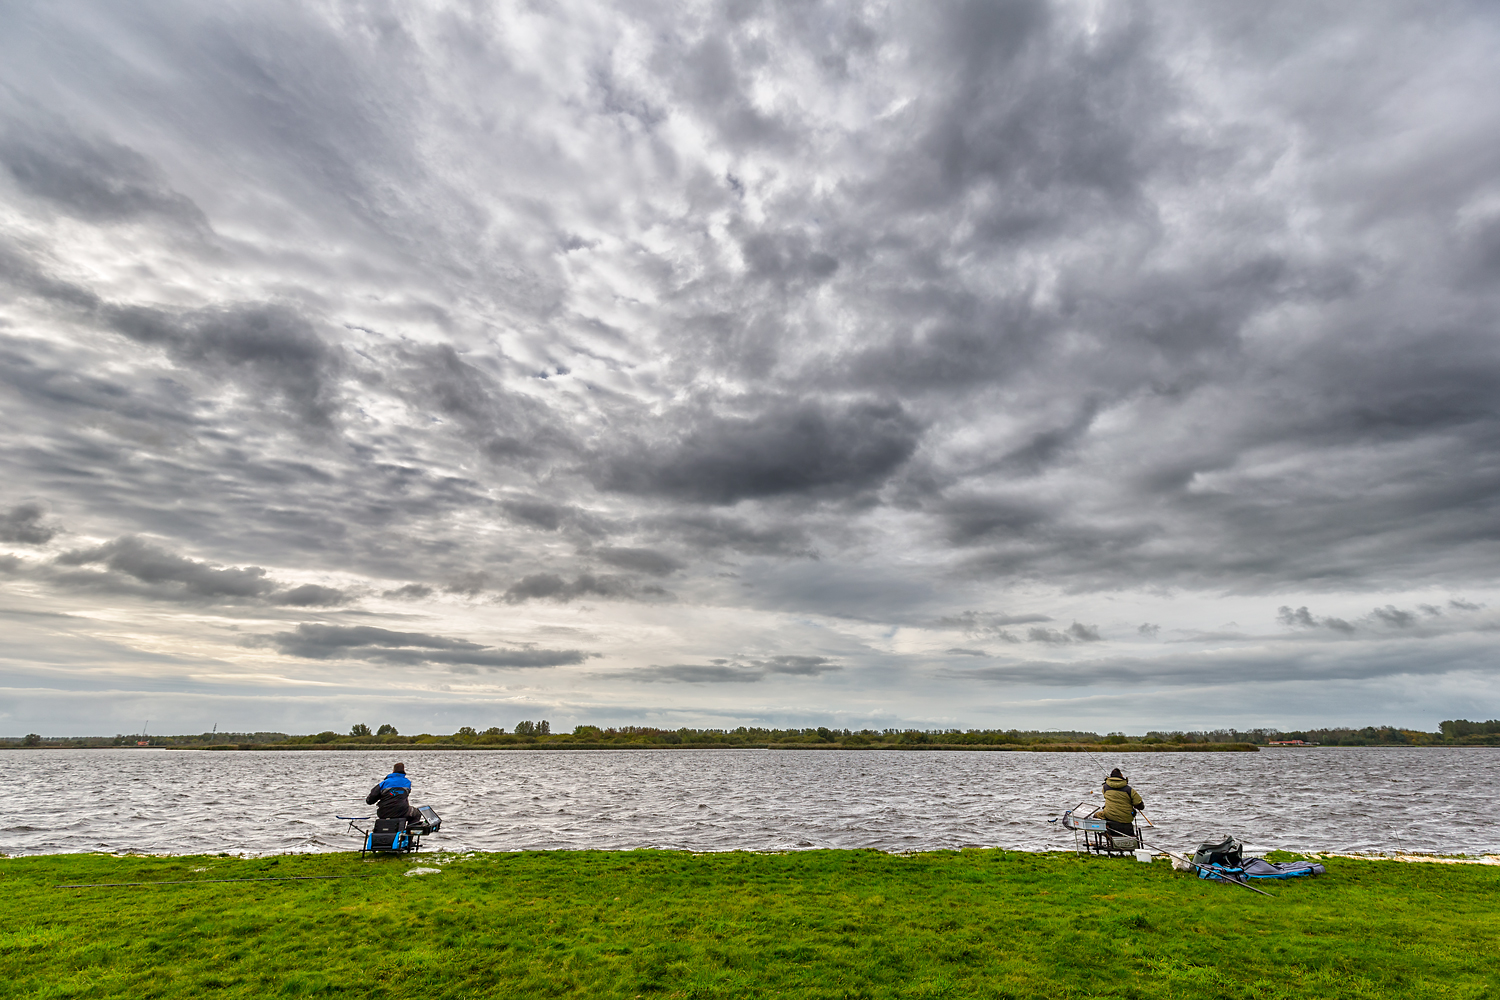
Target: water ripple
{"points": [[181, 802]]}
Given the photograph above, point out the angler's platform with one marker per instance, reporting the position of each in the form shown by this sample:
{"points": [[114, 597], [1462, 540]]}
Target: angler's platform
{"points": [[394, 836], [1092, 836]]}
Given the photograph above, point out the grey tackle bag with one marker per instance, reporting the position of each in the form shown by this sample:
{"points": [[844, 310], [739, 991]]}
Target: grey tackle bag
{"points": [[1227, 852]]}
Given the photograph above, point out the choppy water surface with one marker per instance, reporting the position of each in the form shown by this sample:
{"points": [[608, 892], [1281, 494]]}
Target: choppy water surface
{"points": [[160, 801]]}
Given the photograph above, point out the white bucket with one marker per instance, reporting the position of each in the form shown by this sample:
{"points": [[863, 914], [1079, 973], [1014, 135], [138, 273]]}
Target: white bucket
{"points": [[1145, 856]]}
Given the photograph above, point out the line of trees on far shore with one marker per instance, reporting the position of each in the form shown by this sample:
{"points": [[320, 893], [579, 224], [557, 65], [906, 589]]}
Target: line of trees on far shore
{"points": [[1456, 732]]}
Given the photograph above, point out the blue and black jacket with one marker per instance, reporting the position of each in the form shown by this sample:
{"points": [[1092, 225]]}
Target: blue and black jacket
{"points": [[394, 795]]}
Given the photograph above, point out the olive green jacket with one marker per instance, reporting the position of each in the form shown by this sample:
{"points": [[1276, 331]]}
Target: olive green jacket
{"points": [[1121, 802]]}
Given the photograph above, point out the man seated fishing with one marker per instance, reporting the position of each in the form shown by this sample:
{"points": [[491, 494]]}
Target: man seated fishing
{"points": [[394, 795], [1121, 803]]}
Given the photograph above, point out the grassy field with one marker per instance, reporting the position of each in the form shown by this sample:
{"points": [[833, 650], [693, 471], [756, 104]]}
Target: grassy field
{"points": [[816, 924]]}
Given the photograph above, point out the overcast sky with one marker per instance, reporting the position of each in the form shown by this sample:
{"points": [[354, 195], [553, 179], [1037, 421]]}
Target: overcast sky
{"points": [[990, 364]]}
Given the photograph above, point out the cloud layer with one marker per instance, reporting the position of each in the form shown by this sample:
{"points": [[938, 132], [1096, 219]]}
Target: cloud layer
{"points": [[988, 360]]}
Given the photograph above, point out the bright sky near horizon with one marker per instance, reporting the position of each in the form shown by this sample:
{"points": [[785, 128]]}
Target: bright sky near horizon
{"points": [[1000, 363]]}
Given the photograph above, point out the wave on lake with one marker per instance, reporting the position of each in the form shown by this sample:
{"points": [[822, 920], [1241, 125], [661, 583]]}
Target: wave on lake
{"points": [[192, 802]]}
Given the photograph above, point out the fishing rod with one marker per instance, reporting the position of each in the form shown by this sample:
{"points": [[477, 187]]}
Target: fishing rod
{"points": [[207, 881], [1208, 871], [1201, 868]]}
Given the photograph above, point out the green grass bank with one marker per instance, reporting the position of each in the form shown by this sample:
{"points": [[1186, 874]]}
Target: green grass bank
{"points": [[816, 924]]}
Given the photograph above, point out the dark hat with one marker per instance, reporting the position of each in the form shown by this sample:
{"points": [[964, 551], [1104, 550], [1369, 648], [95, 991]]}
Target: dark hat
{"points": [[400, 768], [1113, 774]]}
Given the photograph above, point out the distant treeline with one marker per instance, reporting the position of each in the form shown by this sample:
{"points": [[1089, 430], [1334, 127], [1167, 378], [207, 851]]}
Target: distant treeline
{"points": [[1460, 732]]}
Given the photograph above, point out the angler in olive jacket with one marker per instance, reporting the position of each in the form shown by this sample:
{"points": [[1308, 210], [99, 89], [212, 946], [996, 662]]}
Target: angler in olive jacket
{"points": [[1121, 803], [394, 795]]}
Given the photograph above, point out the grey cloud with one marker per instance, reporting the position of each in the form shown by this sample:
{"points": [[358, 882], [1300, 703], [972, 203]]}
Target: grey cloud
{"points": [[503, 425], [639, 560], [1301, 616], [727, 672], [1248, 665], [787, 450], [550, 586], [989, 625], [801, 666], [1044, 447], [1395, 617], [1149, 630], [151, 564], [786, 258], [23, 524], [93, 179], [275, 345], [377, 645], [1458, 604], [709, 79], [168, 575], [696, 673], [311, 595], [1076, 632], [961, 651], [982, 621], [974, 520], [470, 584], [1084, 633], [712, 531], [409, 592], [1304, 619], [548, 516]]}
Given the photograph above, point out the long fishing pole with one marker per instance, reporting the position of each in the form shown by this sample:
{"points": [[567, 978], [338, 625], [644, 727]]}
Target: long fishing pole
{"points": [[1214, 874], [207, 881], [1209, 871]]}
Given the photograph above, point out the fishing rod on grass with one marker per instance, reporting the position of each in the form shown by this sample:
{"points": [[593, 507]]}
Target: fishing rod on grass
{"points": [[1188, 861]]}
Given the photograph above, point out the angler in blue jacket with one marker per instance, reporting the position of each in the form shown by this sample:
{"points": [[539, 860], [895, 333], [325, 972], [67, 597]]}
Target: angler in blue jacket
{"points": [[394, 795]]}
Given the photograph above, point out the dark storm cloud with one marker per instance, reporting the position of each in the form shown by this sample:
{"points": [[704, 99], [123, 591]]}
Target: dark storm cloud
{"points": [[803, 448], [377, 645], [138, 566], [23, 524], [875, 313]]}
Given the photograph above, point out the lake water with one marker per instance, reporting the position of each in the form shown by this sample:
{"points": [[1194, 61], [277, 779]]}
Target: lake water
{"points": [[1328, 799]]}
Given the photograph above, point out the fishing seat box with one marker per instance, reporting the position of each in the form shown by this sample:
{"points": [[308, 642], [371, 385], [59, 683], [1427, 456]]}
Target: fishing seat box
{"points": [[1115, 841], [388, 835]]}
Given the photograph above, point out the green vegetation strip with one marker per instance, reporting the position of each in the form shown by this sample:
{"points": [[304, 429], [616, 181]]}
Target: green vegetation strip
{"points": [[815, 924]]}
